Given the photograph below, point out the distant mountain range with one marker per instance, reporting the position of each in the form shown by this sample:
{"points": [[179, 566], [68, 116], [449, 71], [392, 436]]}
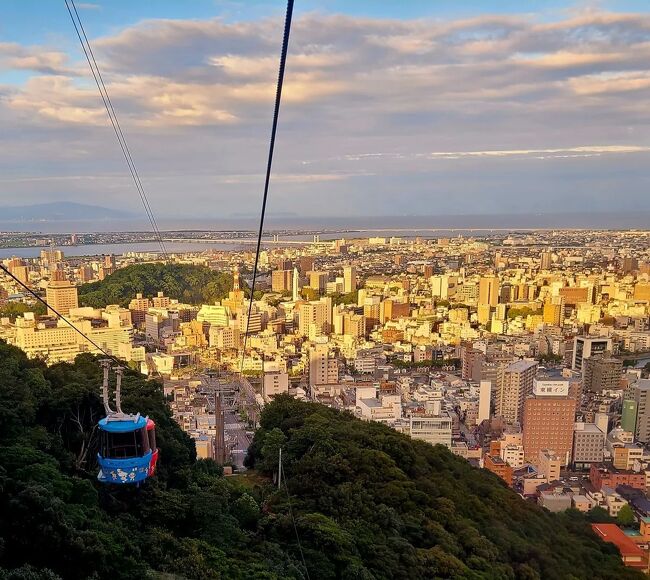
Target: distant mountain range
{"points": [[58, 211]]}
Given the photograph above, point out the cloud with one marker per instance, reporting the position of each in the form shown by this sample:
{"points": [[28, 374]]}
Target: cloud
{"points": [[33, 58], [588, 150], [197, 94]]}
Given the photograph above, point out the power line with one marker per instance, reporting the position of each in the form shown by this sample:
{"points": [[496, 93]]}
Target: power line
{"points": [[283, 479], [276, 112], [112, 116], [68, 322]]}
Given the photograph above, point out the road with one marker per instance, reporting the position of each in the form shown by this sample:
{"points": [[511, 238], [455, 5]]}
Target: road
{"points": [[236, 436]]}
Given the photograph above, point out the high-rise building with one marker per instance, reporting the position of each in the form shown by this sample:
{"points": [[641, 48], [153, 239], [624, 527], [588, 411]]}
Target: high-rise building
{"points": [[354, 325], [61, 295], [640, 394], [552, 313], [323, 366], [488, 291], [305, 264], [349, 279], [372, 312], [484, 398], [295, 285], [586, 346], [588, 445], [161, 301], [316, 314], [548, 420], [514, 384], [139, 307], [628, 416], [601, 373], [442, 286], [225, 337], [574, 295], [281, 280], [392, 310], [630, 264], [318, 280], [546, 260]]}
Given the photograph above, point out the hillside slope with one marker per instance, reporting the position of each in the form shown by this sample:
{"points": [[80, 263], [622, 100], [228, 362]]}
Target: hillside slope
{"points": [[373, 503], [367, 501]]}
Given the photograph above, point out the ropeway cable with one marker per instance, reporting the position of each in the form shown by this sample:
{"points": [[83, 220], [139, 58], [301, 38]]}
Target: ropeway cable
{"points": [[276, 112], [66, 320], [112, 116]]}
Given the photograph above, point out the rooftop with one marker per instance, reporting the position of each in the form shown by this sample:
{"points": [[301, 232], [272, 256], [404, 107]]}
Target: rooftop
{"points": [[523, 365]]}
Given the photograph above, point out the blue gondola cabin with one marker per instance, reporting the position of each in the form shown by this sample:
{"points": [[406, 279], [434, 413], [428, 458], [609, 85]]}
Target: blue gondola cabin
{"points": [[127, 449]]}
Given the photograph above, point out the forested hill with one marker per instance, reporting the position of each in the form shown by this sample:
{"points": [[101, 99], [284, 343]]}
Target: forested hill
{"points": [[367, 501], [185, 282]]}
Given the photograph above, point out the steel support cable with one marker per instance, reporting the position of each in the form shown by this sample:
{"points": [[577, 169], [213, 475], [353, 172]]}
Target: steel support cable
{"points": [[269, 164], [66, 320], [112, 116], [295, 528]]}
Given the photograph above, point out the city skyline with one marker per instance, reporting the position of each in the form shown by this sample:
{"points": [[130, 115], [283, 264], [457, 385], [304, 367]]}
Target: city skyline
{"points": [[428, 110]]}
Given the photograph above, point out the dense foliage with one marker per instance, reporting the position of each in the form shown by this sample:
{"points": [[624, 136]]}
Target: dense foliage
{"points": [[372, 503], [12, 310], [187, 283], [367, 501], [57, 521]]}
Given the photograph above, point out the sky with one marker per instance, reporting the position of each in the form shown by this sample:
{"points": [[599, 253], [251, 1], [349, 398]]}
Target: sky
{"points": [[417, 107]]}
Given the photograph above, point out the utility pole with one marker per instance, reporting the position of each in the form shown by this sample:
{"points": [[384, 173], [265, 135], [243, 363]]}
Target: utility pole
{"points": [[219, 439]]}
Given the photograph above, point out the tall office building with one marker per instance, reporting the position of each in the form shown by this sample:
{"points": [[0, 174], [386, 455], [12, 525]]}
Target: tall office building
{"points": [[305, 264], [160, 300], [548, 420], [138, 308], [546, 260], [484, 398], [442, 286], [323, 366], [372, 312], [315, 317], [586, 346], [628, 415], [640, 394], [552, 313], [318, 280], [601, 373], [61, 295], [514, 384], [630, 264], [295, 285], [281, 280], [349, 279], [488, 291], [588, 445]]}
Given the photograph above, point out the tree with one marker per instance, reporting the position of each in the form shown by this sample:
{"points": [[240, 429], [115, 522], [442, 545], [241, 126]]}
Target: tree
{"points": [[185, 282], [273, 441], [365, 500], [599, 515], [625, 516]]}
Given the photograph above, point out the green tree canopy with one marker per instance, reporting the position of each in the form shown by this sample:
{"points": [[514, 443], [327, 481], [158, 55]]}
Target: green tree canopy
{"points": [[187, 283], [625, 516], [366, 502]]}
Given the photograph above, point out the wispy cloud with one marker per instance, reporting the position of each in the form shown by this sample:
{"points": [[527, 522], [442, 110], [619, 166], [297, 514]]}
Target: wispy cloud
{"points": [[370, 105], [584, 151]]}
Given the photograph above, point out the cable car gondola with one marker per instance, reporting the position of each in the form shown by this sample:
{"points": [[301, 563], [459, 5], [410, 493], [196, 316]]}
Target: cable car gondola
{"points": [[127, 448]]}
